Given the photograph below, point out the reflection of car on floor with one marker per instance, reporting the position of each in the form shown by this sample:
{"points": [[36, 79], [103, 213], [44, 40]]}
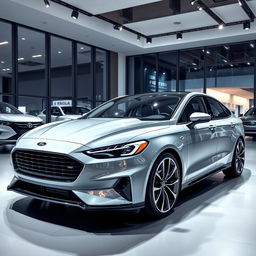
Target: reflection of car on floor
{"points": [[14, 123], [249, 122], [59, 113], [131, 152]]}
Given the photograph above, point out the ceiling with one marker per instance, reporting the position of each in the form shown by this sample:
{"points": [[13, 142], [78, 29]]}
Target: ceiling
{"points": [[102, 6], [160, 19]]}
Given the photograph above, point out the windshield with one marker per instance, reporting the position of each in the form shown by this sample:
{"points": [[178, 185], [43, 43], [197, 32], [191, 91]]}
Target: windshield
{"points": [[251, 112], [6, 108], [78, 110], [146, 107]]}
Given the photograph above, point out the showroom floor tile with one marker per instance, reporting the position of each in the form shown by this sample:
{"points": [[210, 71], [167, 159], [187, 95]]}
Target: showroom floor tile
{"points": [[215, 217]]}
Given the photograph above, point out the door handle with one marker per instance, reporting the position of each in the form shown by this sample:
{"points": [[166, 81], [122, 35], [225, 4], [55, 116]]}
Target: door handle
{"points": [[212, 127], [232, 125]]}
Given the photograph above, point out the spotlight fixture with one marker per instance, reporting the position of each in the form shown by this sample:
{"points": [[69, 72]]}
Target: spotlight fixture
{"points": [[240, 3], [149, 40], [118, 27], [47, 4], [138, 37], [252, 45], [200, 8], [248, 63], [247, 25], [75, 14], [179, 36], [221, 26], [193, 2]]}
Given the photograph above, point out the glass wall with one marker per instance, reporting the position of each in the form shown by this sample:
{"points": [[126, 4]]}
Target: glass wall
{"points": [[6, 67], [40, 72], [227, 72]]}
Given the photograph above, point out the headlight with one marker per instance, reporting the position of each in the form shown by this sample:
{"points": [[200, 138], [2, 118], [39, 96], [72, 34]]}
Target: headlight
{"points": [[5, 123], [121, 150]]}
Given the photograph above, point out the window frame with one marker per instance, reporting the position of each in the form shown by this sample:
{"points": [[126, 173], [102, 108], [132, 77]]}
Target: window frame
{"points": [[189, 100]]}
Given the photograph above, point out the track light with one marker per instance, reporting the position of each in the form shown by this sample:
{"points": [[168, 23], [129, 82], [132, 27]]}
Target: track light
{"points": [[200, 8], [247, 25], [118, 27], [179, 36], [75, 14], [221, 26], [149, 40], [47, 4]]}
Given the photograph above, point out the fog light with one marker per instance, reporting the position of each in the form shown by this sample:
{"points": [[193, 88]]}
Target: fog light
{"points": [[107, 193]]}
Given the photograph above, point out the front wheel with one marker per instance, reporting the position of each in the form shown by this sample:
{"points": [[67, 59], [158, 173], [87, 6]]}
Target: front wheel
{"points": [[163, 187], [237, 166]]}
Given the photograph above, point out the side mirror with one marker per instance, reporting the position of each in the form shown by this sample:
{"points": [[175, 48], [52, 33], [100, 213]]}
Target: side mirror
{"points": [[199, 117]]}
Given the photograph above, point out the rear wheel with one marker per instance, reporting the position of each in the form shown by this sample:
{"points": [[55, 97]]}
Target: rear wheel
{"points": [[163, 187], [238, 160]]}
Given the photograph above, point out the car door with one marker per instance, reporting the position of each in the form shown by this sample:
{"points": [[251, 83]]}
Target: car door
{"points": [[224, 126], [200, 141]]}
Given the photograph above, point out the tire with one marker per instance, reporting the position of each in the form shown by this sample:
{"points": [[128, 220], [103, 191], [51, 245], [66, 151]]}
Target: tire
{"points": [[163, 187], [237, 166]]}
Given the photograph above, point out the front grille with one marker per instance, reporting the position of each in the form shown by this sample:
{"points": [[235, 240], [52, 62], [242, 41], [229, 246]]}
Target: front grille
{"points": [[250, 123], [22, 127], [48, 193], [46, 165]]}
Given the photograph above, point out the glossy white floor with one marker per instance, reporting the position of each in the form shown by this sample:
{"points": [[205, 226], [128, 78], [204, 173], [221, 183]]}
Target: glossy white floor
{"points": [[215, 217]]}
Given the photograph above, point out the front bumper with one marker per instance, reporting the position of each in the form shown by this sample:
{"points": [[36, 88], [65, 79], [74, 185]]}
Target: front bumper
{"points": [[102, 184], [250, 130]]}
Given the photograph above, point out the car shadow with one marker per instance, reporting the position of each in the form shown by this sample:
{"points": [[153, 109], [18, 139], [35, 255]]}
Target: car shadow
{"points": [[71, 230], [6, 149]]}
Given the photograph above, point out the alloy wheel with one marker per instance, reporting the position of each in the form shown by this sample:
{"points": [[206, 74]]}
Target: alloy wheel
{"points": [[166, 185], [239, 158]]}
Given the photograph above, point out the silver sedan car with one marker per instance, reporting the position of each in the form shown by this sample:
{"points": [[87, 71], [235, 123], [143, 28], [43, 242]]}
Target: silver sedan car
{"points": [[131, 152]]}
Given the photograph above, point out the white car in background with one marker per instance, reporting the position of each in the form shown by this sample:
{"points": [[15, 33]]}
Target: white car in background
{"points": [[59, 113], [14, 123]]}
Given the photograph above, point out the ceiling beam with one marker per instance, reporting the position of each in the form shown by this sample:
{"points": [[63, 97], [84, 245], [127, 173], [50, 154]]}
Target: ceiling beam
{"points": [[247, 9], [196, 29], [210, 12]]}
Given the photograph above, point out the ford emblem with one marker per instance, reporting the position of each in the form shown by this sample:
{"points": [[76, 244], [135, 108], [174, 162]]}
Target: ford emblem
{"points": [[41, 144]]}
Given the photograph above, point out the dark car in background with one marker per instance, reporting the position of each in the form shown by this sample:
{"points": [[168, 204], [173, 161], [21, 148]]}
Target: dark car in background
{"points": [[249, 122]]}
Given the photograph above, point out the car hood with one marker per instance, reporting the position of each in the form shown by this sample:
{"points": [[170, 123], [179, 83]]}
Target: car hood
{"points": [[71, 116], [90, 131], [19, 118]]}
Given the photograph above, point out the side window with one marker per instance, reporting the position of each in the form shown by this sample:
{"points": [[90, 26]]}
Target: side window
{"points": [[195, 105], [215, 109], [55, 111]]}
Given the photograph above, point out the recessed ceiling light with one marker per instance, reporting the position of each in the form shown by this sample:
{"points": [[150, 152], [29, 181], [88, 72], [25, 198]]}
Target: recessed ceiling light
{"points": [[23, 38], [208, 52], [37, 56], [221, 26], [252, 45], [226, 47], [4, 69], [239, 2], [8, 69], [81, 48], [19, 59], [2, 62], [248, 63], [193, 2], [59, 52], [231, 65], [200, 8], [224, 60], [4, 42]]}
